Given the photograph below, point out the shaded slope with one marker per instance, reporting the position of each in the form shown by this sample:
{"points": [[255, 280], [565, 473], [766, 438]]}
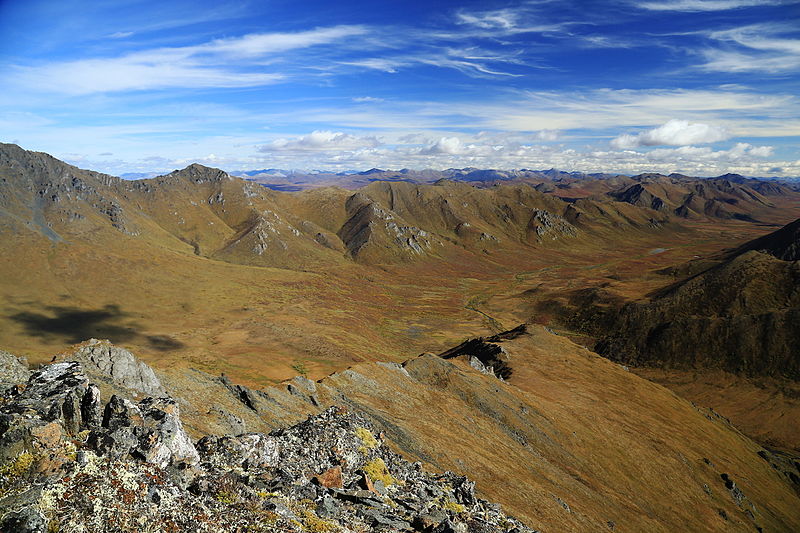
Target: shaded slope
{"points": [[783, 244], [741, 315]]}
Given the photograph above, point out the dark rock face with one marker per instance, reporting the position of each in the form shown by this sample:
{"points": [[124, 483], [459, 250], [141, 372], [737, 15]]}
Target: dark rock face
{"points": [[741, 315], [485, 354], [67, 467]]}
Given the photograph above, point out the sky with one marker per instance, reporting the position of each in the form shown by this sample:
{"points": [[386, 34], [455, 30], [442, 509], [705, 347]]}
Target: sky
{"points": [[701, 87]]}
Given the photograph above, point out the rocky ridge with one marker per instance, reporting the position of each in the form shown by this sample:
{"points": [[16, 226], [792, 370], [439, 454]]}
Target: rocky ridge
{"points": [[71, 463]]}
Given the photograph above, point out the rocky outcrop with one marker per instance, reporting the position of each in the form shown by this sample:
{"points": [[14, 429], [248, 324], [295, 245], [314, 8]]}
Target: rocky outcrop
{"points": [[69, 467], [544, 225], [486, 355], [13, 370], [119, 365], [378, 231]]}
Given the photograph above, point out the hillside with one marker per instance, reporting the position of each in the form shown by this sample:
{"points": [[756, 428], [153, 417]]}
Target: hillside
{"points": [[744, 311], [566, 430]]}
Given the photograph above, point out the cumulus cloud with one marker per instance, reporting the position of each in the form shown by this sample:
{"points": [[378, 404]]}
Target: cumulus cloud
{"points": [[547, 135], [445, 145], [320, 141], [673, 133], [453, 152], [740, 151]]}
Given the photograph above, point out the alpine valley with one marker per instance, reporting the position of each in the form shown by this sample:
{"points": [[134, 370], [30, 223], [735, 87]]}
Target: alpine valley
{"points": [[462, 351]]}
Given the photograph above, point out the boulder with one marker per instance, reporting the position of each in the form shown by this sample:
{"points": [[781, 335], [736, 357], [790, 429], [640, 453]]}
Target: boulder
{"points": [[120, 365], [13, 370]]}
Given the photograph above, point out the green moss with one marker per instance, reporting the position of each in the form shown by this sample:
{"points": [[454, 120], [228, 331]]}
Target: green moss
{"points": [[367, 438], [312, 522], [376, 470], [226, 497], [300, 368], [18, 466], [457, 508]]}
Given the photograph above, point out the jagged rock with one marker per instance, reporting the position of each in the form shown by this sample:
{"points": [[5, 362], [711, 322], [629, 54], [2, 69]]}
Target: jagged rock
{"points": [[242, 393], [58, 392], [163, 440], [253, 450], [138, 467], [120, 365]]}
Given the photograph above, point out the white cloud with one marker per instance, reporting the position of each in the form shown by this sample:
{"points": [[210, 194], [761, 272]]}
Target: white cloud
{"points": [[112, 75], [761, 151], [759, 48], [367, 99], [389, 65], [455, 152], [260, 44], [674, 133], [547, 135], [320, 141], [704, 5], [445, 145], [506, 21], [201, 66]]}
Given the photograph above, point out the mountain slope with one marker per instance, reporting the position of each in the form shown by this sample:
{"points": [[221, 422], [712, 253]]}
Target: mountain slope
{"points": [[571, 442], [742, 315], [694, 198]]}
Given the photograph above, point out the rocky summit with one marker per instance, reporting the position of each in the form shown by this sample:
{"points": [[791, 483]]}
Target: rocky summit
{"points": [[74, 463]]}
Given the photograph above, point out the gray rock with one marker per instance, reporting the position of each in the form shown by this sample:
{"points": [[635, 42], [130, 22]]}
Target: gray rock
{"points": [[57, 393], [13, 370], [151, 431], [138, 466], [27, 520], [164, 441], [120, 365]]}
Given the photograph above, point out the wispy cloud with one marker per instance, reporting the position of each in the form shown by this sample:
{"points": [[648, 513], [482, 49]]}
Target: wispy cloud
{"points": [[693, 6], [199, 66], [754, 48], [508, 21]]}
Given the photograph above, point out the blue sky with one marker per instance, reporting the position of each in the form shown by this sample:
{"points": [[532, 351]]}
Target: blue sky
{"points": [[695, 86]]}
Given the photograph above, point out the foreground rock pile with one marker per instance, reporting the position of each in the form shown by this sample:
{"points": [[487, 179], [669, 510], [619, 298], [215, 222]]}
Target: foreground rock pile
{"points": [[73, 464]]}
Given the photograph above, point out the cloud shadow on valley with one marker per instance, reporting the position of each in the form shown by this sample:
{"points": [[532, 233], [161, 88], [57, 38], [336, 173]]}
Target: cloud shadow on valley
{"points": [[74, 325]]}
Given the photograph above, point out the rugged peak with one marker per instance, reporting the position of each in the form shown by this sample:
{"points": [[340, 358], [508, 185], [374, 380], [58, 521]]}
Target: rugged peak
{"points": [[198, 173]]}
